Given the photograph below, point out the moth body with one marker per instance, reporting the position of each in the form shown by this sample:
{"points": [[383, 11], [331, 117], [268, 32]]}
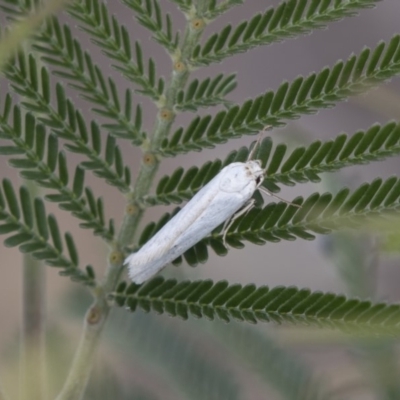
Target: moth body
{"points": [[216, 202]]}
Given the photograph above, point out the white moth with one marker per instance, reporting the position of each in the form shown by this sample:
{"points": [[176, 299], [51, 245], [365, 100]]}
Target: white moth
{"points": [[224, 198]]}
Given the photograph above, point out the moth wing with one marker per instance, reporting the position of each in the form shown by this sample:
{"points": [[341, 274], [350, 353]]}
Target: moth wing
{"points": [[161, 248]]}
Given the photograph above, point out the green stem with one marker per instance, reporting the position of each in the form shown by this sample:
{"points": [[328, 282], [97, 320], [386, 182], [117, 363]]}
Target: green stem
{"points": [[95, 320], [97, 314], [165, 118], [33, 346], [33, 339], [79, 374]]}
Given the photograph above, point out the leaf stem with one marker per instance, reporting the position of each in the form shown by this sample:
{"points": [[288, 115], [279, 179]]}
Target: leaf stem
{"points": [[33, 344], [79, 374], [33, 339], [81, 209], [97, 314], [165, 118]]}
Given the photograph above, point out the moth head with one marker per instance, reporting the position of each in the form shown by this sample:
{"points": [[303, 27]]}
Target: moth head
{"points": [[255, 171], [237, 176]]}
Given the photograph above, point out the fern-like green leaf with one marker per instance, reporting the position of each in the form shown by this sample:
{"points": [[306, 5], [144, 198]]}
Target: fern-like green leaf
{"points": [[31, 229], [289, 19], [302, 96], [65, 121], [184, 5], [263, 304], [303, 164], [51, 171], [319, 214], [114, 40], [182, 185], [149, 14], [65, 54], [208, 93], [215, 8]]}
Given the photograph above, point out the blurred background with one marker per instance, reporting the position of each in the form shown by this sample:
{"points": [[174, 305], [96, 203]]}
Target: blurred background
{"points": [[147, 356]]}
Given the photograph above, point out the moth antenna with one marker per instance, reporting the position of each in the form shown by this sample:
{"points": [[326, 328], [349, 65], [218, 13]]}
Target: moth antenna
{"points": [[257, 143], [255, 147], [268, 193]]}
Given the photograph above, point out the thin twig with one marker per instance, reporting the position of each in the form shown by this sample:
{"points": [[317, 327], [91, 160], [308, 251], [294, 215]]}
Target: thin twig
{"points": [[33, 346], [97, 314], [33, 383], [82, 364]]}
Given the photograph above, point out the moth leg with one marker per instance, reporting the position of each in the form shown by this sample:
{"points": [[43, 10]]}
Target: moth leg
{"points": [[268, 193], [229, 222]]}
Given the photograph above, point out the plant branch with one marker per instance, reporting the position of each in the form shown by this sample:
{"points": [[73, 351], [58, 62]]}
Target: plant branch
{"points": [[65, 121], [152, 19], [84, 358], [252, 304], [31, 229], [165, 118], [116, 44], [287, 20], [40, 171], [33, 340], [87, 78], [303, 164], [33, 357], [59, 48], [304, 95], [96, 317]]}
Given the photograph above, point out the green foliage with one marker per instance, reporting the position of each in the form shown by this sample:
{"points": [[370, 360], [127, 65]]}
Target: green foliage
{"points": [[149, 14], [67, 122], [209, 92], [39, 160], [36, 134], [31, 230], [303, 164], [61, 50], [114, 40], [302, 96], [107, 33], [251, 304], [289, 19], [64, 52], [208, 10], [215, 8], [319, 213], [182, 185], [184, 5]]}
